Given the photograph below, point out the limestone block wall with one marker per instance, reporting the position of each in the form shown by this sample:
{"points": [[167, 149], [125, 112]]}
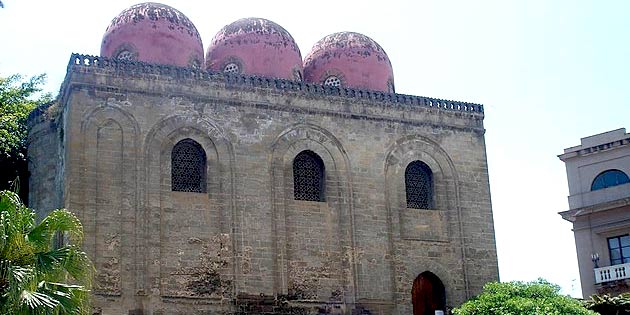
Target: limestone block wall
{"points": [[46, 159], [159, 251]]}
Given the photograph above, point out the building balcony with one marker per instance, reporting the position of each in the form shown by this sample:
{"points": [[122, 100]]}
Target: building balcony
{"points": [[612, 273], [599, 196]]}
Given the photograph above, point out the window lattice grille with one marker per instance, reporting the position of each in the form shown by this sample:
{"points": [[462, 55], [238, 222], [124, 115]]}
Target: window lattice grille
{"points": [[231, 68], [126, 55], [419, 186], [308, 177], [332, 81], [188, 167]]}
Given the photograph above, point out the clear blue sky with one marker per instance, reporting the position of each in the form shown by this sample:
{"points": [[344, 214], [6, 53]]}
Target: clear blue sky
{"points": [[548, 73]]}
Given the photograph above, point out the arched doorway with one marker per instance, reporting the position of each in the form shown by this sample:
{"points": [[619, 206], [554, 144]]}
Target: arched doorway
{"points": [[428, 294]]}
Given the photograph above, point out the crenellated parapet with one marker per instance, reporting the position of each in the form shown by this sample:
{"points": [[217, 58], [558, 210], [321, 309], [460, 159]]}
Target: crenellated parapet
{"points": [[79, 62]]}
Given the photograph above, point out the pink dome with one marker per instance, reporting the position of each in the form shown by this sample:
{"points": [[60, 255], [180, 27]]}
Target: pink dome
{"points": [[255, 46], [155, 33], [349, 59]]}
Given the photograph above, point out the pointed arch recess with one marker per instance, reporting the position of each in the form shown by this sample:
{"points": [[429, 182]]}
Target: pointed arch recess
{"points": [[338, 203], [445, 218], [107, 193], [160, 204]]}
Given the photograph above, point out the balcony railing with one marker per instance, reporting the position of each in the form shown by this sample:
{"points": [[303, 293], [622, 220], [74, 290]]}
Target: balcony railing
{"points": [[612, 273]]}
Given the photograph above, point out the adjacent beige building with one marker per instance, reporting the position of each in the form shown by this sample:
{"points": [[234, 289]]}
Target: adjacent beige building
{"points": [[599, 203]]}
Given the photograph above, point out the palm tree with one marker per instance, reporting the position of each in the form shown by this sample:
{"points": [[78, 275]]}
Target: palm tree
{"points": [[38, 275]]}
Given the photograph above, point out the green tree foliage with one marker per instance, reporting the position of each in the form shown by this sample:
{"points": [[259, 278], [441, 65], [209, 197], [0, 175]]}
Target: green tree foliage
{"points": [[609, 305], [518, 298], [37, 276], [18, 97]]}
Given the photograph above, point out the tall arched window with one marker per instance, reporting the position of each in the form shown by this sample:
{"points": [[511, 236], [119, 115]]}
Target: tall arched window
{"points": [[419, 185], [188, 167], [308, 177], [609, 178]]}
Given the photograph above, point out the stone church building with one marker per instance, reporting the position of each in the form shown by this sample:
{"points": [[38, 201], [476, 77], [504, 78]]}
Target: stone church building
{"points": [[247, 180]]}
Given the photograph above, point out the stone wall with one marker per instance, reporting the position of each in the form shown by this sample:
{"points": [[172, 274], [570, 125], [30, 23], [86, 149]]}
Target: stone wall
{"points": [[246, 244], [46, 159]]}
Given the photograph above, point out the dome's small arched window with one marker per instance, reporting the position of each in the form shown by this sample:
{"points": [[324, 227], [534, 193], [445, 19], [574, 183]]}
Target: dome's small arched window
{"points": [[419, 185], [308, 177], [332, 81], [609, 178], [188, 167], [126, 55], [231, 68]]}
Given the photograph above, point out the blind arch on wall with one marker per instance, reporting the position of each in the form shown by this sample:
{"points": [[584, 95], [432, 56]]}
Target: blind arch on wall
{"points": [[419, 185], [308, 177], [188, 167]]}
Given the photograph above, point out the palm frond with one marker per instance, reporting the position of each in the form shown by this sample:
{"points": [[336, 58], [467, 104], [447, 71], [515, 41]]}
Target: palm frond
{"points": [[9, 200], [18, 279], [36, 300], [48, 261], [67, 260], [25, 294], [59, 220], [71, 298], [15, 219], [33, 272], [79, 266], [18, 250]]}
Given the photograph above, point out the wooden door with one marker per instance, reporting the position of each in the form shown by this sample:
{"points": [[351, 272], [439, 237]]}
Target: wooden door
{"points": [[427, 294]]}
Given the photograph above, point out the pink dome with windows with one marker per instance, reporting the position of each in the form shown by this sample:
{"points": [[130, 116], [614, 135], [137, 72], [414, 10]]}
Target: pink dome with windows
{"points": [[155, 33], [255, 46], [349, 59]]}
